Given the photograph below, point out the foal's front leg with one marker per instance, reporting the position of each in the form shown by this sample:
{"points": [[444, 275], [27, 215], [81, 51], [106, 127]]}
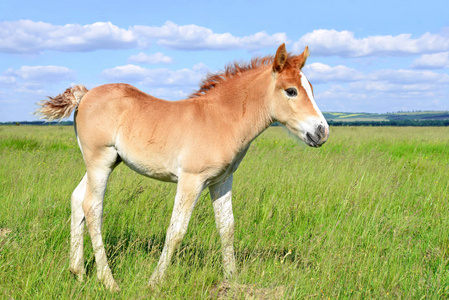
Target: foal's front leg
{"points": [[221, 195], [188, 191]]}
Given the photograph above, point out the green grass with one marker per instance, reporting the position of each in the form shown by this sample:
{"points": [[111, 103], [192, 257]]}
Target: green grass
{"points": [[364, 216]]}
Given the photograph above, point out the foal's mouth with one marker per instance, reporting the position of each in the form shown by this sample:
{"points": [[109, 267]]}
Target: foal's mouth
{"points": [[311, 141], [314, 141]]}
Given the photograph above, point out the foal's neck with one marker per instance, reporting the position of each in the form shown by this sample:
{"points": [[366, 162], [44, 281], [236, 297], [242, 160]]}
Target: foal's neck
{"points": [[245, 101]]}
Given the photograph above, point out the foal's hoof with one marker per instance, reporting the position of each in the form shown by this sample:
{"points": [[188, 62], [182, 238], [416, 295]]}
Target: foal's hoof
{"points": [[79, 275], [108, 280], [152, 284], [112, 286]]}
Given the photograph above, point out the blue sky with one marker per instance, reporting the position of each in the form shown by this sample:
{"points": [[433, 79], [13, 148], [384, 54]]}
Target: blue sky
{"points": [[366, 56]]}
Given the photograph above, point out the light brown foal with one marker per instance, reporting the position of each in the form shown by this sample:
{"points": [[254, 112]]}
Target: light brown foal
{"points": [[198, 142]]}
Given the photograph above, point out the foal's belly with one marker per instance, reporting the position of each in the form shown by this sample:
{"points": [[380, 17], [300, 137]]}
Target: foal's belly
{"points": [[150, 169], [170, 162], [149, 163]]}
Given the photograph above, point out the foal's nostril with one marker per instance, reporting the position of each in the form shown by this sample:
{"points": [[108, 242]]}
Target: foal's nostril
{"points": [[321, 129]]}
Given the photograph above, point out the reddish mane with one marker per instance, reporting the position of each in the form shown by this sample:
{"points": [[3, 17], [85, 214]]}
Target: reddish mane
{"points": [[230, 71]]}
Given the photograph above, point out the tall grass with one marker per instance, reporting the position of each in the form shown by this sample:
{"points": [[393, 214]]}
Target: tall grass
{"points": [[364, 216]]}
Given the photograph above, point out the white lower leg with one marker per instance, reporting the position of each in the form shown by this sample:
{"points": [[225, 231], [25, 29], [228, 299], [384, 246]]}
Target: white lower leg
{"points": [[171, 243], [221, 195], [93, 212], [77, 230], [187, 194]]}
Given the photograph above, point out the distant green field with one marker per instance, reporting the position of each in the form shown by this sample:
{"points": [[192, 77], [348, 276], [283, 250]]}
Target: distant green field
{"points": [[363, 217], [418, 116]]}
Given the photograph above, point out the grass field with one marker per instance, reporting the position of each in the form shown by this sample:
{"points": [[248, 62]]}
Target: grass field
{"points": [[364, 216]]}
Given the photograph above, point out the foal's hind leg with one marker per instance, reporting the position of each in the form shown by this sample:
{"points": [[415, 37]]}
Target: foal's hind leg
{"points": [[77, 230], [99, 166]]}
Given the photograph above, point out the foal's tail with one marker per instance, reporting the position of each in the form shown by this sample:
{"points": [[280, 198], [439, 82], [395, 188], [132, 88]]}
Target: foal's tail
{"points": [[61, 106]]}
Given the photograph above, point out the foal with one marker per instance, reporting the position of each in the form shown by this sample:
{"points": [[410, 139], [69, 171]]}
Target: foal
{"points": [[198, 143]]}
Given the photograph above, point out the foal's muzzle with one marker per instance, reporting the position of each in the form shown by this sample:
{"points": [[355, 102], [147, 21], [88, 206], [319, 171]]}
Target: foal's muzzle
{"points": [[319, 137]]}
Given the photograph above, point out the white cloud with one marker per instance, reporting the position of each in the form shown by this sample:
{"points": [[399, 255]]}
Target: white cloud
{"points": [[322, 73], [156, 77], [343, 43], [318, 73], [7, 80], [372, 96], [409, 76], [42, 73], [193, 37], [26, 36], [432, 61], [128, 73], [347, 89], [33, 82], [154, 58], [389, 87], [338, 92]]}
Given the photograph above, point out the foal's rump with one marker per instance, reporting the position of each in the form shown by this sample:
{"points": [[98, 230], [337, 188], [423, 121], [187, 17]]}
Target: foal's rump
{"points": [[123, 118]]}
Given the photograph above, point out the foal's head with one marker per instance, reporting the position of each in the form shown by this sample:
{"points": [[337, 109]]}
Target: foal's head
{"points": [[293, 101]]}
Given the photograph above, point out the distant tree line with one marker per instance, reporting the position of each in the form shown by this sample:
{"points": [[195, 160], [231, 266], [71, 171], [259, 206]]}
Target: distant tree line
{"points": [[38, 123], [417, 123]]}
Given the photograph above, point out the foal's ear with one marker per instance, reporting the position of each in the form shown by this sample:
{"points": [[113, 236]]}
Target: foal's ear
{"points": [[280, 59], [300, 60]]}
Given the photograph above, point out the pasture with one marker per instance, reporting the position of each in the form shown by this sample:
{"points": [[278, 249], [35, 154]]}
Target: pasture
{"points": [[364, 216]]}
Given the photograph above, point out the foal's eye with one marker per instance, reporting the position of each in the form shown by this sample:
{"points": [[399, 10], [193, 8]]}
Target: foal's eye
{"points": [[291, 92]]}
